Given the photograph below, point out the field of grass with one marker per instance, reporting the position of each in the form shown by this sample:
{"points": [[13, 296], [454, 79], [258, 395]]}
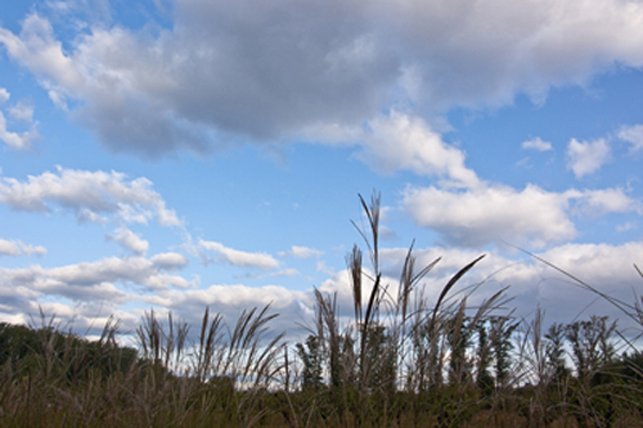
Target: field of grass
{"points": [[400, 361]]}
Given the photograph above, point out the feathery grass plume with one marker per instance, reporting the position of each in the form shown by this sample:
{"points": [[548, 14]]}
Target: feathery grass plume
{"points": [[454, 279], [246, 359], [354, 263], [209, 344], [409, 279], [372, 212], [160, 347]]}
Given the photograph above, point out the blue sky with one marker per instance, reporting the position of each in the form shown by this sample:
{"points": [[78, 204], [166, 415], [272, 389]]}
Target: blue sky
{"points": [[180, 154]]}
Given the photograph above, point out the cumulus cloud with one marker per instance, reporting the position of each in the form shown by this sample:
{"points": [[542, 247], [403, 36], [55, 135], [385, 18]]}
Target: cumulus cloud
{"points": [[129, 240], [598, 263], [239, 258], [88, 194], [270, 70], [135, 270], [604, 201], [401, 141], [232, 296], [587, 157], [633, 135], [302, 252], [169, 261], [22, 111], [16, 140], [17, 248], [35, 282], [493, 213], [537, 144], [96, 281]]}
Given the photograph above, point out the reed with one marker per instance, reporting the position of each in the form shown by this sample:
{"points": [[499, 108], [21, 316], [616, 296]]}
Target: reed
{"points": [[402, 360]]}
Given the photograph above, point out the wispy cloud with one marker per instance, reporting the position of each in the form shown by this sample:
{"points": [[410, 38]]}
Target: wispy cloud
{"points": [[239, 258], [301, 252], [129, 240], [633, 135], [537, 144], [17, 248]]}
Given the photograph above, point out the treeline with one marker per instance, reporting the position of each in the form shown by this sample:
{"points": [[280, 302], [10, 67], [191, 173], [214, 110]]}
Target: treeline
{"points": [[26, 350]]}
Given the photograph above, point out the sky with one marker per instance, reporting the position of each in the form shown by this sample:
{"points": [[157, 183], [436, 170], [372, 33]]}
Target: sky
{"points": [[184, 154]]}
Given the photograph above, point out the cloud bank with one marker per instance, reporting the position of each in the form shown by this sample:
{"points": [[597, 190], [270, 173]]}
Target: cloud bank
{"points": [[230, 69]]}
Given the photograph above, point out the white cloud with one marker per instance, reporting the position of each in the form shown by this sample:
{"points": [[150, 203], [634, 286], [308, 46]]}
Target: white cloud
{"points": [[84, 318], [587, 157], [604, 201], [240, 258], [537, 144], [91, 286], [625, 227], [606, 267], [292, 307], [401, 141], [39, 51], [9, 248], [17, 248], [271, 70], [17, 140], [4, 96], [129, 240], [35, 283], [633, 135], [23, 111], [136, 270], [493, 213], [88, 194], [277, 274], [169, 261], [234, 296], [302, 252], [99, 281]]}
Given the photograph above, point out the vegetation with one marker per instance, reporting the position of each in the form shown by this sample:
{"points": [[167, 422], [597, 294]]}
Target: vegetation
{"points": [[399, 361]]}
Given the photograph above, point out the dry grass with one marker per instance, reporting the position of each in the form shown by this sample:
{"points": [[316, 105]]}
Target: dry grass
{"points": [[401, 361]]}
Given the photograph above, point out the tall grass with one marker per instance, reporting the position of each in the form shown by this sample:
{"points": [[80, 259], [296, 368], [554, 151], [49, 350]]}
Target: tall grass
{"points": [[400, 360]]}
